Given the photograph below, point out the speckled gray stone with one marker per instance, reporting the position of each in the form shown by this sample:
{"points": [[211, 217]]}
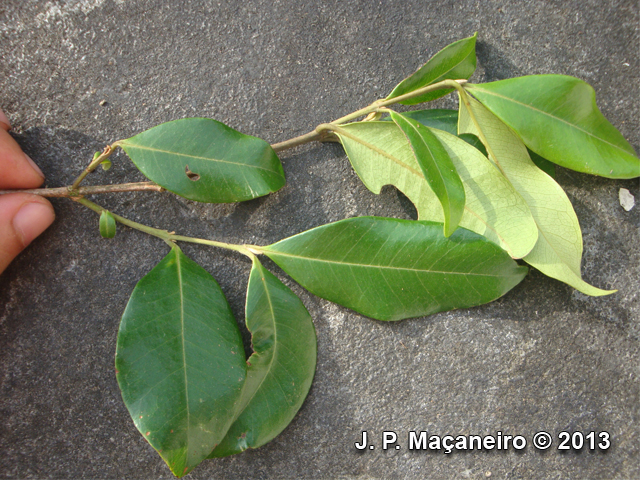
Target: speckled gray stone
{"points": [[78, 74]]}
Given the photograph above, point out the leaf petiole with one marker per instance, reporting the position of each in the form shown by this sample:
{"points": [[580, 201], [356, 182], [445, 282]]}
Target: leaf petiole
{"points": [[97, 160], [170, 237]]}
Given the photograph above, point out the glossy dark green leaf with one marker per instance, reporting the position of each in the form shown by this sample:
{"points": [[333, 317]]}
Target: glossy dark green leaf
{"points": [[204, 160], [557, 117], [282, 365], [390, 269], [107, 225], [437, 167], [180, 362], [455, 61]]}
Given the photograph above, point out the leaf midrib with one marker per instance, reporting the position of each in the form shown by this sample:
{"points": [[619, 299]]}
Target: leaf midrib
{"points": [[382, 267], [184, 355], [542, 112], [275, 342], [433, 160], [197, 157], [452, 68]]}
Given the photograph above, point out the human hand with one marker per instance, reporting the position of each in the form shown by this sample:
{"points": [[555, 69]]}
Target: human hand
{"points": [[22, 216]]}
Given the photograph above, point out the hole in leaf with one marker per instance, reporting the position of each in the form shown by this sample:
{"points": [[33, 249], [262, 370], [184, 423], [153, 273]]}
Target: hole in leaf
{"points": [[192, 175]]}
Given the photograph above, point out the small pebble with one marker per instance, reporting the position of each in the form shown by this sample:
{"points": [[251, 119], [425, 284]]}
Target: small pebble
{"points": [[103, 103], [627, 200]]}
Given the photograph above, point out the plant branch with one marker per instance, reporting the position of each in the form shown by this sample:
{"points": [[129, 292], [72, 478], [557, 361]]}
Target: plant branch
{"points": [[92, 190], [318, 133], [108, 150], [294, 142], [321, 133], [169, 237], [383, 103]]}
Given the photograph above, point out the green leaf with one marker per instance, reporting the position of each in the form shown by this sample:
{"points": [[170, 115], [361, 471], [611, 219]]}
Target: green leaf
{"points": [[557, 118], [558, 251], [180, 362], [474, 141], [542, 163], [204, 160], [282, 365], [455, 61], [437, 167], [447, 120], [440, 118], [390, 269], [381, 155], [107, 225]]}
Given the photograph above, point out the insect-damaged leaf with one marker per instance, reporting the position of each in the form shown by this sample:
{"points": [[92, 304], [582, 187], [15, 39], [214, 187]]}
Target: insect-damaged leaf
{"points": [[204, 160], [282, 365], [381, 155], [180, 362], [437, 167], [558, 251], [557, 117], [455, 61], [390, 269]]}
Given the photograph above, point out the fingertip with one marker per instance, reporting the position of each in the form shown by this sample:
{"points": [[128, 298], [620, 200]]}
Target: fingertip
{"points": [[22, 218], [32, 219], [18, 170]]}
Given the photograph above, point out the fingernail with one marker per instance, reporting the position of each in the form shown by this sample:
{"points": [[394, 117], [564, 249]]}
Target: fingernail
{"points": [[31, 220], [33, 164], [4, 121]]}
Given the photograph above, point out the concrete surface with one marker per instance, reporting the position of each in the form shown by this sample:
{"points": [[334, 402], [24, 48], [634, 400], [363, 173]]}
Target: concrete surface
{"points": [[543, 358]]}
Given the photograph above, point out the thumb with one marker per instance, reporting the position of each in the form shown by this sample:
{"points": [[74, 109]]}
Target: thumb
{"points": [[22, 218]]}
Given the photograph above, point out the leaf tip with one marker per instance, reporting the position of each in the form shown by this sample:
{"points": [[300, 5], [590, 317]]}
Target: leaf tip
{"points": [[598, 292], [449, 229]]}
